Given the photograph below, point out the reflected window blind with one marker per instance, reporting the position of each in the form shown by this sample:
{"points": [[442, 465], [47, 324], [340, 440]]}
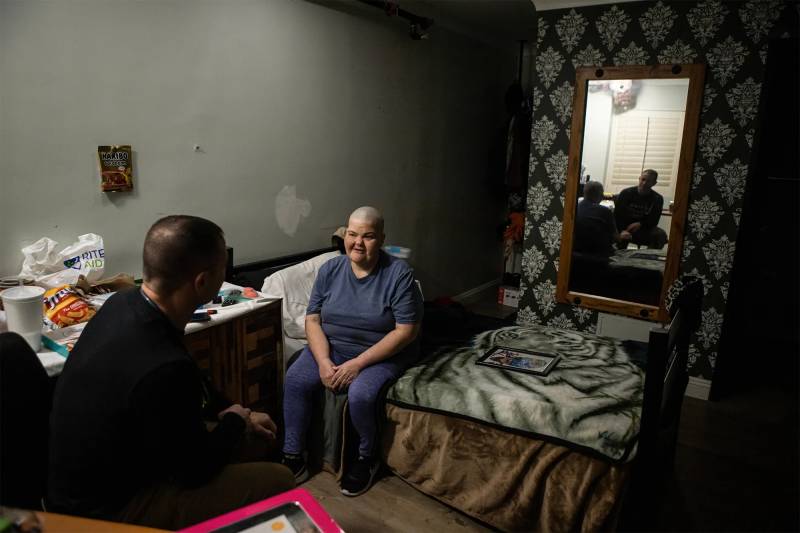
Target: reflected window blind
{"points": [[645, 139]]}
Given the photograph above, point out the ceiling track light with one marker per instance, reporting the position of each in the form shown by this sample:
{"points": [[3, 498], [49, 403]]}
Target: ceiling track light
{"points": [[418, 26]]}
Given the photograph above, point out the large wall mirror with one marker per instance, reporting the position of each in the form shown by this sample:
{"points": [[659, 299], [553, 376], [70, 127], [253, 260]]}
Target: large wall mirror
{"points": [[634, 131]]}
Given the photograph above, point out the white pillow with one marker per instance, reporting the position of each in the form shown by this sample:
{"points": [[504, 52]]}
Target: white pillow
{"points": [[294, 285]]}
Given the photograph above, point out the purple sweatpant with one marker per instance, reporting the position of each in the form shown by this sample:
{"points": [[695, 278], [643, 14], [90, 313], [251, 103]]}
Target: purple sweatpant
{"points": [[302, 380]]}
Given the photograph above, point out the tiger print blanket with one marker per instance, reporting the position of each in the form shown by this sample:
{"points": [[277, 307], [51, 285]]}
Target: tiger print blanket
{"points": [[591, 400]]}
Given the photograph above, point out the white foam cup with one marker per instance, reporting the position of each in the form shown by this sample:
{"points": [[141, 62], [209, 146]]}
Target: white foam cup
{"points": [[24, 313]]}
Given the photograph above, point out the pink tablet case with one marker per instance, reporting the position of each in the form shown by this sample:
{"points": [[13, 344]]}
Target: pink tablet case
{"points": [[313, 509]]}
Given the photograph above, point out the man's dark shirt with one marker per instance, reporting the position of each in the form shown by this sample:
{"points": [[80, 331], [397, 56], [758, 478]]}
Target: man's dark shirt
{"points": [[630, 207], [594, 229], [129, 410]]}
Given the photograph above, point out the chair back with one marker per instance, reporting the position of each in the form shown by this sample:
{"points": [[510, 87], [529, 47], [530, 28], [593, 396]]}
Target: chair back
{"points": [[665, 384], [667, 376], [26, 395]]}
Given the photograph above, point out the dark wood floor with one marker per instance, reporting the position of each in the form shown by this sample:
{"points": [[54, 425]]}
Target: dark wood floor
{"points": [[736, 465], [736, 469], [391, 505]]}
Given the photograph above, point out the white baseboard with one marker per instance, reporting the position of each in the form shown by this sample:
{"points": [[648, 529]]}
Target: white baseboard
{"points": [[476, 290], [623, 327], [698, 388]]}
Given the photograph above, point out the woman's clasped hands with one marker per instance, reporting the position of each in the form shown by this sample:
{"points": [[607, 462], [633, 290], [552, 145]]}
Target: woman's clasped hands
{"points": [[338, 377]]}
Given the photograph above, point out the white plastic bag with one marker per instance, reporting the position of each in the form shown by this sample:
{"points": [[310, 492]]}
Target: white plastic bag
{"points": [[41, 258], [84, 257]]}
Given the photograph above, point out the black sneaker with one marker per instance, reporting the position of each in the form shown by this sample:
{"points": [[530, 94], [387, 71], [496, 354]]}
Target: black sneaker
{"points": [[297, 465], [359, 479]]}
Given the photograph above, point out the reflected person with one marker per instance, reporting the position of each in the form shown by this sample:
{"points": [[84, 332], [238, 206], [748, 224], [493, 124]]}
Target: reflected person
{"points": [[637, 211], [595, 230]]}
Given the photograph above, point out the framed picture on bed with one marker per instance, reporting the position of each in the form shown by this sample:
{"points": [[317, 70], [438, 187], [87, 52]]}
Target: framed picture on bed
{"points": [[538, 363]]}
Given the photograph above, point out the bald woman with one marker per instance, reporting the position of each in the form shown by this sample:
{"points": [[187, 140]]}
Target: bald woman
{"points": [[362, 319]]}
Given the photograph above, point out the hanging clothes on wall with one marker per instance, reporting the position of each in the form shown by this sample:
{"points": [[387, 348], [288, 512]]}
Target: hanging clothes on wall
{"points": [[518, 136], [508, 159]]}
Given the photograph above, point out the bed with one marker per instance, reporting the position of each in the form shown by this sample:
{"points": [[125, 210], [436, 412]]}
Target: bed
{"points": [[597, 432], [520, 451]]}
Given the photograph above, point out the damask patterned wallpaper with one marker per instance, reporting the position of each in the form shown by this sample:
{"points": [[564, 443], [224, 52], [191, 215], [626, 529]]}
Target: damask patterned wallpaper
{"points": [[731, 39]]}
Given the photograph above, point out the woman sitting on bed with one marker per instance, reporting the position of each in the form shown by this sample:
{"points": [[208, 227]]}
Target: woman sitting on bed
{"points": [[363, 316]]}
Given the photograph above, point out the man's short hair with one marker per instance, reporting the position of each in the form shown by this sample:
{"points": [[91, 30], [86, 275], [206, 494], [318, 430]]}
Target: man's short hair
{"points": [[652, 174], [177, 248], [593, 191]]}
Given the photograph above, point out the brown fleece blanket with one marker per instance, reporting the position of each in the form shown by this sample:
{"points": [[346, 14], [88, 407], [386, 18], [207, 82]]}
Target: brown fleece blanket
{"points": [[510, 481]]}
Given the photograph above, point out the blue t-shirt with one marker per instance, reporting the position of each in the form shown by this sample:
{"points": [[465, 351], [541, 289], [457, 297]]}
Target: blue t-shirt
{"points": [[357, 313]]}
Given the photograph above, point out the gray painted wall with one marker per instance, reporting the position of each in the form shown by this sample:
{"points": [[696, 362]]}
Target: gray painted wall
{"points": [[343, 106]]}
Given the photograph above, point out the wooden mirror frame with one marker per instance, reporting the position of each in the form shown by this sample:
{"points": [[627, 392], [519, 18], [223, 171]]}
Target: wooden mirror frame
{"points": [[695, 73]]}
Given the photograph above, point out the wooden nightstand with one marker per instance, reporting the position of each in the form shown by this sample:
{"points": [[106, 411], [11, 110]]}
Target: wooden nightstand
{"points": [[243, 357]]}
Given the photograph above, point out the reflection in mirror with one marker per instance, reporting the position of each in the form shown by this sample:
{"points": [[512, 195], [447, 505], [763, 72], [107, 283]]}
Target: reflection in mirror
{"points": [[629, 162], [631, 152]]}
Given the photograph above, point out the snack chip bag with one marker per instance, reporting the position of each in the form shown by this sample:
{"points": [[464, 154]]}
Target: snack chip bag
{"points": [[63, 306], [116, 168]]}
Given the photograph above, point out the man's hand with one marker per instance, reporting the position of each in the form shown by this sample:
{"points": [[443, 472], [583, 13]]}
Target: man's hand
{"points": [[237, 409], [326, 373], [345, 374], [625, 235], [263, 425], [634, 227]]}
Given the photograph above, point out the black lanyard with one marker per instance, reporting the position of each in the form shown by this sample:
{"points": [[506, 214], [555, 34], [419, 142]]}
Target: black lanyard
{"points": [[206, 395], [150, 302]]}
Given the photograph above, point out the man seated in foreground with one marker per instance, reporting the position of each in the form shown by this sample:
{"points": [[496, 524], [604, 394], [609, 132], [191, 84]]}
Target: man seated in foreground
{"points": [[128, 427]]}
